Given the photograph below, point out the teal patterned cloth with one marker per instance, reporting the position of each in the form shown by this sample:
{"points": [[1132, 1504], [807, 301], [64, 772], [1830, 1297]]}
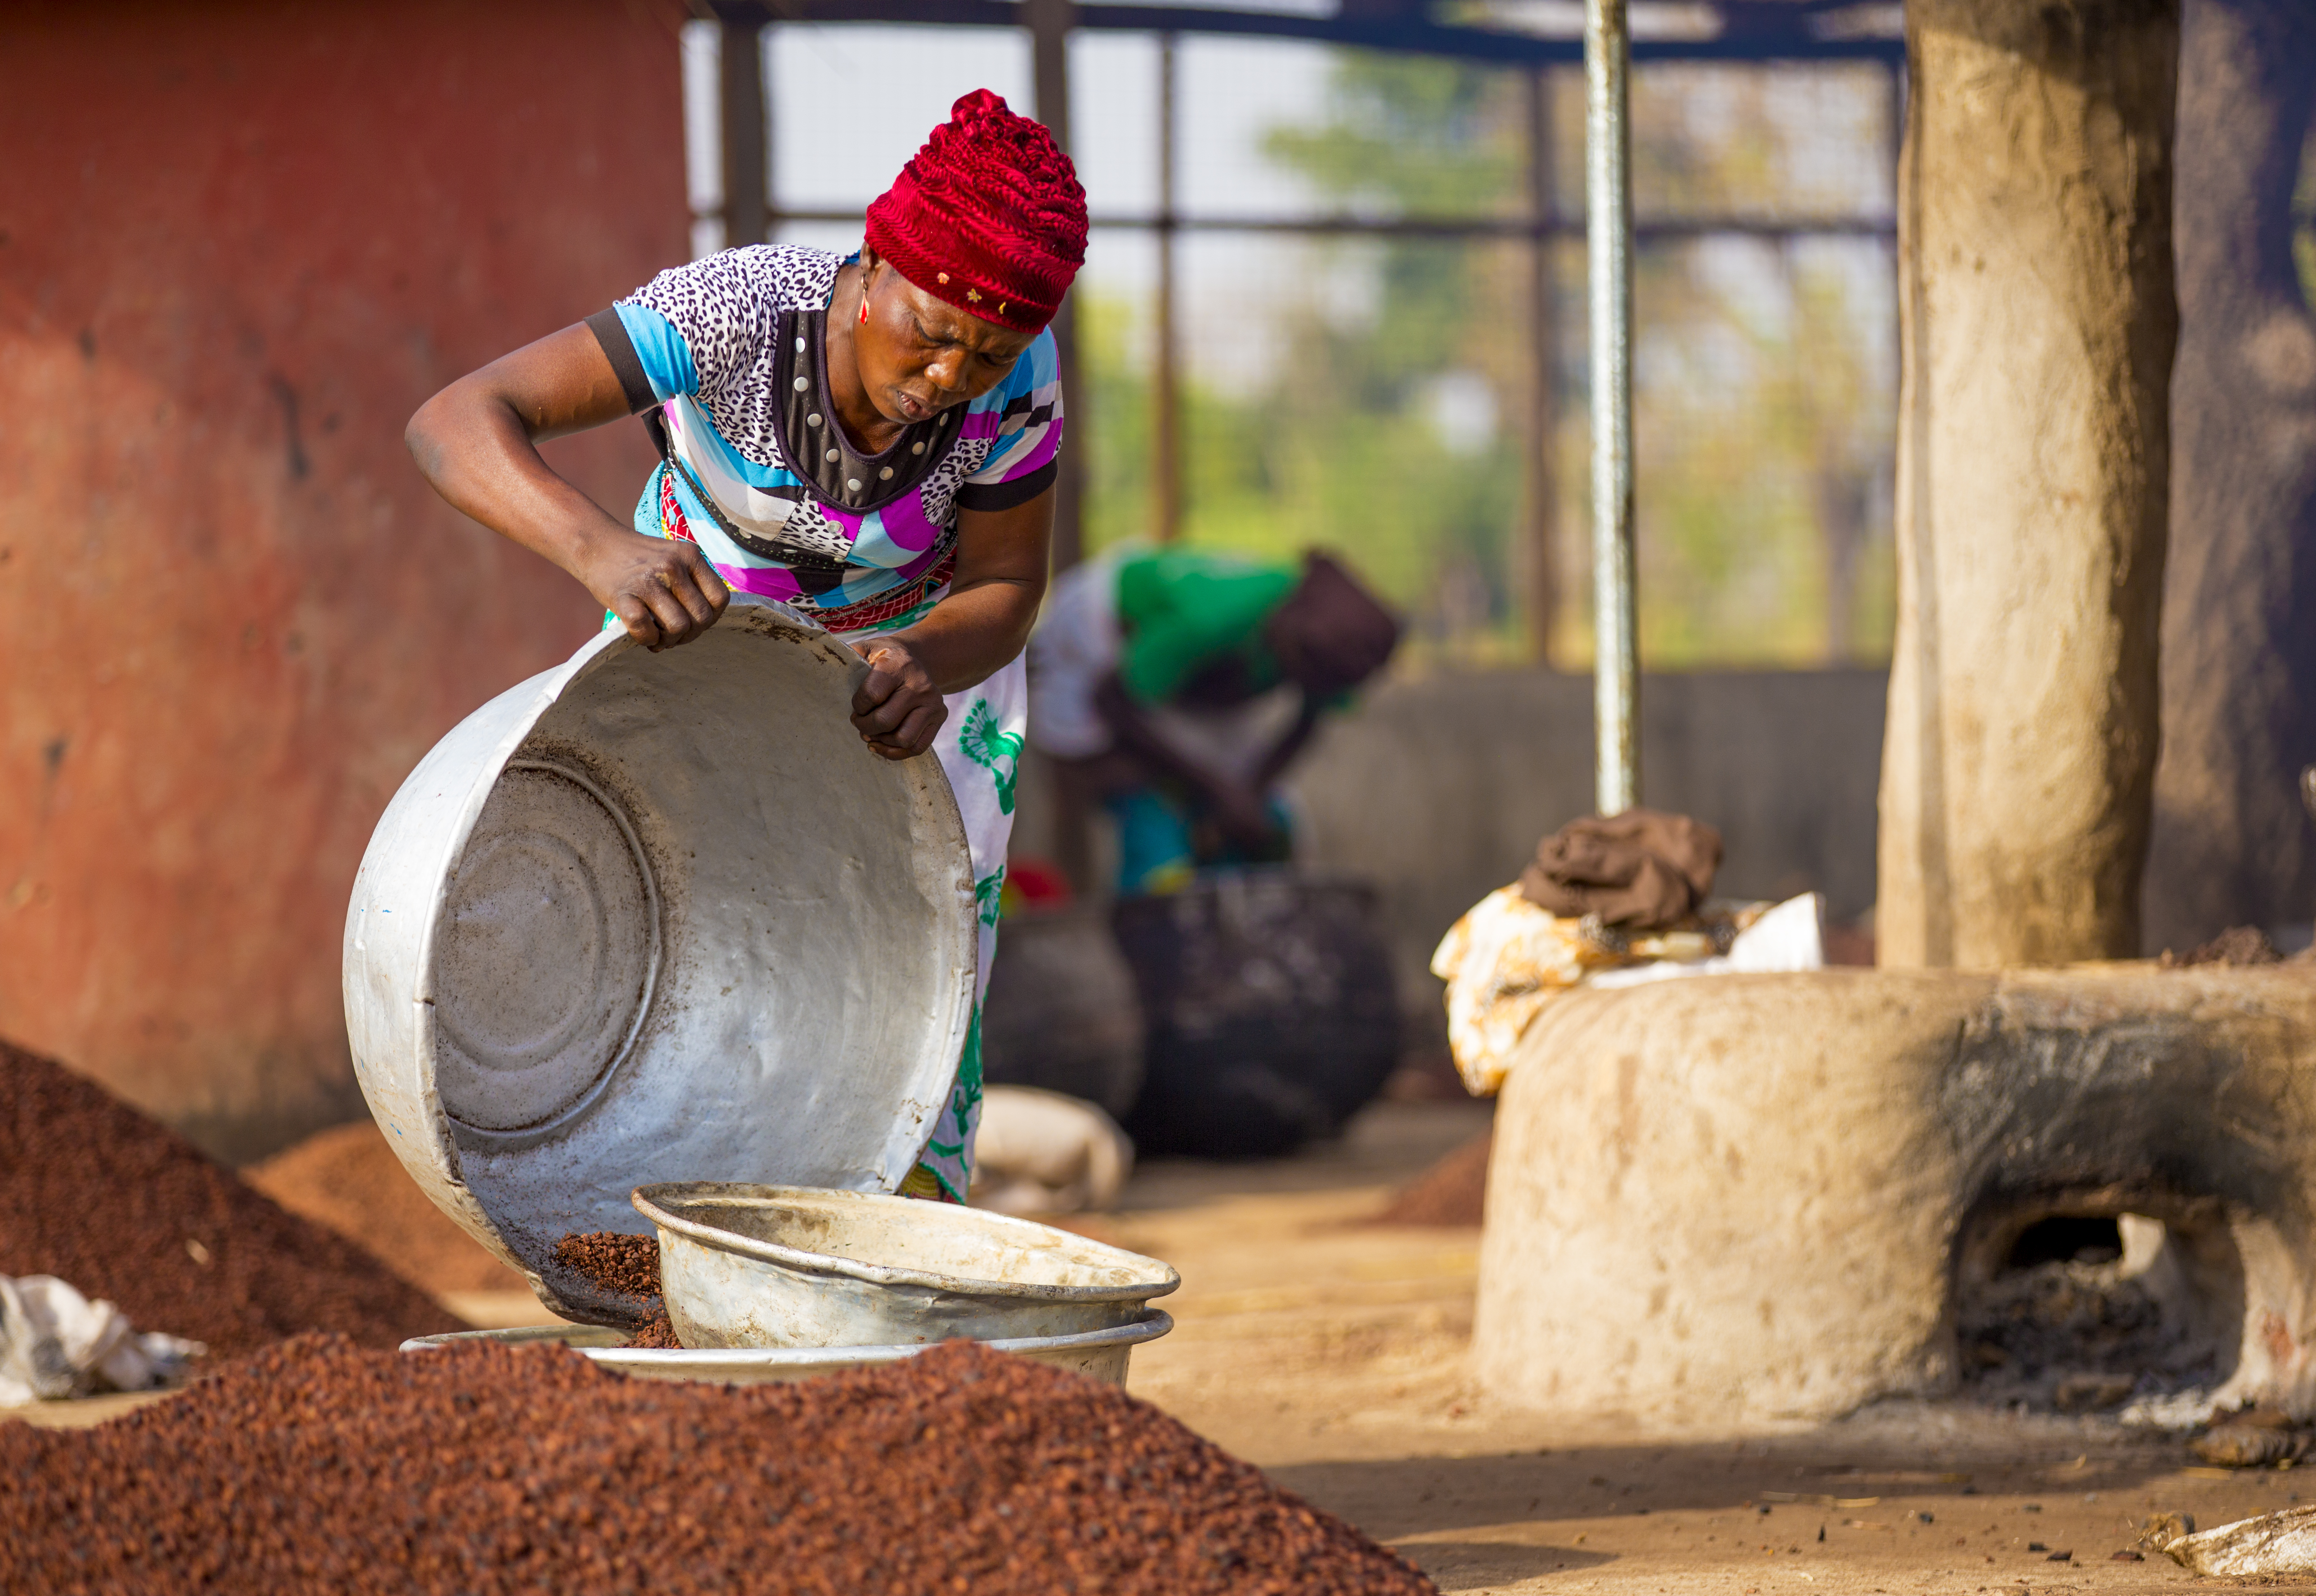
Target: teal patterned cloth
{"points": [[979, 747]]}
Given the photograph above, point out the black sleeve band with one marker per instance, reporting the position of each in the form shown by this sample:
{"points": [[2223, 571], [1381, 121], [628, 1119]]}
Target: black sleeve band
{"points": [[612, 335], [1005, 495]]}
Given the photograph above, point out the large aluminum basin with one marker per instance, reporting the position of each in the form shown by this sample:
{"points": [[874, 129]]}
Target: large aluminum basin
{"points": [[659, 917]]}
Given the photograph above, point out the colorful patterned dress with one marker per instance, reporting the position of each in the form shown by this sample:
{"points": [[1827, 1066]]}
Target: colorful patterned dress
{"points": [[726, 357]]}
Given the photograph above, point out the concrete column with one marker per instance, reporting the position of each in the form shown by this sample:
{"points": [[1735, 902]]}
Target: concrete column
{"points": [[2232, 845], [2037, 317]]}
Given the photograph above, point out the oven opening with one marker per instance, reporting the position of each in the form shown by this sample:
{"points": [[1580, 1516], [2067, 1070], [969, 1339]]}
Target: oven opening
{"points": [[2087, 1306]]}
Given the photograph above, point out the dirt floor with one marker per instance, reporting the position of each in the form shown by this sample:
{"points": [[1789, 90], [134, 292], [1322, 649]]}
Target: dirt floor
{"points": [[1332, 1353]]}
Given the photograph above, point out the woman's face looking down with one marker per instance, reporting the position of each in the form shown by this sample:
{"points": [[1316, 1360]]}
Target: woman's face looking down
{"points": [[917, 355]]}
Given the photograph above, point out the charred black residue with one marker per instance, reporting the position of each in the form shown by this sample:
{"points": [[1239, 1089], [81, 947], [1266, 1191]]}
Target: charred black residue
{"points": [[2040, 1100], [2104, 1152]]}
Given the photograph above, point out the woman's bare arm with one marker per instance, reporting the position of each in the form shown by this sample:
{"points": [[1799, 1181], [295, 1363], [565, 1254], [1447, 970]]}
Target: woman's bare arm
{"points": [[1238, 807], [476, 442], [980, 626]]}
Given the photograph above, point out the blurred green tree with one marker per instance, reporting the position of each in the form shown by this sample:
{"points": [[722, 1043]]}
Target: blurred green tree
{"points": [[1391, 427]]}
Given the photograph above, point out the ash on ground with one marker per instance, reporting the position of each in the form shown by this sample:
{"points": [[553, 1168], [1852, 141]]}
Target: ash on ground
{"points": [[2237, 947], [2080, 1322]]}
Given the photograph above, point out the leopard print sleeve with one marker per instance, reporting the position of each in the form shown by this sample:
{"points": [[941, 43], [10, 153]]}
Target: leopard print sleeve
{"points": [[722, 309]]}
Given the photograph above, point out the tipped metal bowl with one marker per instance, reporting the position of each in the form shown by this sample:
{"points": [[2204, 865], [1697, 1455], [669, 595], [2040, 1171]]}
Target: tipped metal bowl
{"points": [[798, 1266]]}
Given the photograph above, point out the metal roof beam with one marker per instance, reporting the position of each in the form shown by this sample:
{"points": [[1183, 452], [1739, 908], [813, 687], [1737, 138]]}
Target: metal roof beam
{"points": [[1653, 230], [1752, 44]]}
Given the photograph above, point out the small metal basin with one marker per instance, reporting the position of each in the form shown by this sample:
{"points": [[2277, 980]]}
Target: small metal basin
{"points": [[1100, 1354], [799, 1266]]}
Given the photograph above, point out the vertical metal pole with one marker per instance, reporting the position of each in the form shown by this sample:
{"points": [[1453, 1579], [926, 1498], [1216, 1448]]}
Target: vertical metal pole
{"points": [[1166, 460], [1543, 573], [746, 144], [1608, 254], [1050, 21]]}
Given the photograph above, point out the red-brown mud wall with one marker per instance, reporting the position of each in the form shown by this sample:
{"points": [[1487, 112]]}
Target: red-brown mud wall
{"points": [[239, 243]]}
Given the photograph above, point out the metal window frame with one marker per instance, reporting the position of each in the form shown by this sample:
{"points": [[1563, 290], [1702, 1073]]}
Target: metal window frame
{"points": [[1751, 32]]}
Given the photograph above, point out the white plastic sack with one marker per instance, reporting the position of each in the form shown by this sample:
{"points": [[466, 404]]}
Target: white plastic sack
{"points": [[55, 1342], [1041, 1152], [1789, 938]]}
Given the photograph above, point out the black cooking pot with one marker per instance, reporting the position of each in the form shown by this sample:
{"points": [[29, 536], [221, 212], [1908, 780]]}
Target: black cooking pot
{"points": [[1269, 1007]]}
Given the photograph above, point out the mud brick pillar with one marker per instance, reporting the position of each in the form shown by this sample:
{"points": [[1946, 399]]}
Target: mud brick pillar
{"points": [[2039, 322]]}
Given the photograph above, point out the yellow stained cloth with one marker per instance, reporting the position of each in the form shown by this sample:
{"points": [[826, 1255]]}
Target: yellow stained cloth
{"points": [[1506, 958], [1502, 962]]}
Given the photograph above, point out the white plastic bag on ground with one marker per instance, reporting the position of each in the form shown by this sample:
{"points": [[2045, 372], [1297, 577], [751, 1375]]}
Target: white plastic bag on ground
{"points": [[55, 1342], [1041, 1152], [2277, 1543]]}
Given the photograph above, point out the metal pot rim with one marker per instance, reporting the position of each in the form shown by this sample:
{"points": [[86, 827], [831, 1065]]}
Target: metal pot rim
{"points": [[596, 1341]]}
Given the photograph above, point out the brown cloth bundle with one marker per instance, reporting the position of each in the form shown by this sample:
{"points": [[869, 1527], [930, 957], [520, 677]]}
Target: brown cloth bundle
{"points": [[1641, 870]]}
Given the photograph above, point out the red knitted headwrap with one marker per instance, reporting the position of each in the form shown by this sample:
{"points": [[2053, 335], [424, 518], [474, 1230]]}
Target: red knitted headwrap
{"points": [[988, 217]]}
